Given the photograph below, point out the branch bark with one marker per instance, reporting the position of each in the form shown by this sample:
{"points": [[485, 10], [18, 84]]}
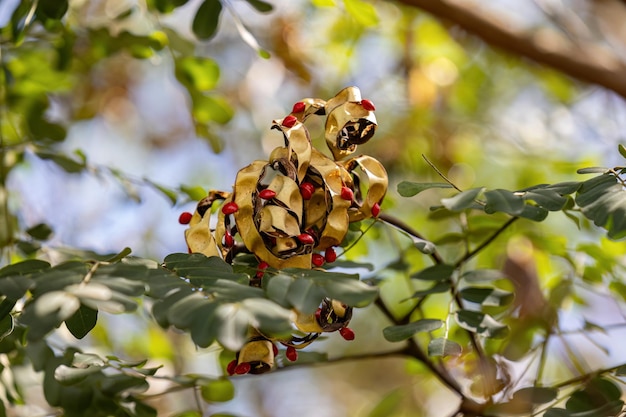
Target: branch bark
{"points": [[584, 61]]}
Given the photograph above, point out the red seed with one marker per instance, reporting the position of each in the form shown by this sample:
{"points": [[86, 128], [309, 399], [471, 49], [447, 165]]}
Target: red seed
{"points": [[347, 193], [368, 105], [306, 239], [185, 217], [318, 314], [229, 241], [267, 194], [261, 269], [230, 368], [289, 121], [317, 259], [376, 210], [306, 190], [330, 255], [230, 208], [346, 333], [291, 353], [243, 368], [298, 107], [275, 349]]}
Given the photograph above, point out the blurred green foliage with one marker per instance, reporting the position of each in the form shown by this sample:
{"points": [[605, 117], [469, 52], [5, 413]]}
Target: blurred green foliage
{"points": [[487, 251]]}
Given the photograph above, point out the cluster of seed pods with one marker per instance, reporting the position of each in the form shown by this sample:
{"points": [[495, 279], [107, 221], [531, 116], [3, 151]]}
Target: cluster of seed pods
{"points": [[293, 210]]}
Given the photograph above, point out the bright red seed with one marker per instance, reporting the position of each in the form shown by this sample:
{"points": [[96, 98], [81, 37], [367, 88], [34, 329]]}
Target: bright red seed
{"points": [[291, 353], [330, 255], [298, 107], [267, 194], [185, 217], [368, 105], [347, 193], [376, 210], [229, 241], [243, 368], [230, 368], [318, 314], [275, 349], [261, 269], [230, 208], [346, 333], [306, 190], [317, 259], [289, 121], [306, 239]]}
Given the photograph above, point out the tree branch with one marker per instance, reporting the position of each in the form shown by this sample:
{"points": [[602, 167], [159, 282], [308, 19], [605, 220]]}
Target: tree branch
{"points": [[585, 61]]}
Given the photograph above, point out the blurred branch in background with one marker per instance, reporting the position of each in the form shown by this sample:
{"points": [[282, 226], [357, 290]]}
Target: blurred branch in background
{"points": [[588, 61]]}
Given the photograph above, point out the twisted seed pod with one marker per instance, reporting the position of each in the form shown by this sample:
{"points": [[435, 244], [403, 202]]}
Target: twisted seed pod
{"points": [[296, 203]]}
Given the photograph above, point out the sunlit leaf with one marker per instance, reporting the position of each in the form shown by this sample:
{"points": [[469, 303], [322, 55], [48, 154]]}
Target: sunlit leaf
{"points": [[388, 405], [622, 150], [462, 201], [211, 109], [168, 6], [364, 13], [219, 390], [199, 73], [69, 375], [409, 189], [406, 331]]}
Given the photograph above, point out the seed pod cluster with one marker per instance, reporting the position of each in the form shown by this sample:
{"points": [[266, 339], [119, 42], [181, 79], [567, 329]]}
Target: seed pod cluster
{"points": [[293, 209]]}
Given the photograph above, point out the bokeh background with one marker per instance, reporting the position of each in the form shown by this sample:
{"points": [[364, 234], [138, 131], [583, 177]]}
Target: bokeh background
{"points": [[483, 116]]}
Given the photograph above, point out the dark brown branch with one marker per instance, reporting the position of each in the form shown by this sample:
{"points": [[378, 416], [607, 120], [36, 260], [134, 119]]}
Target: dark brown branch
{"points": [[587, 62]]}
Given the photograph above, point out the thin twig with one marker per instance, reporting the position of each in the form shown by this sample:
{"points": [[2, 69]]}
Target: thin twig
{"points": [[441, 174]]}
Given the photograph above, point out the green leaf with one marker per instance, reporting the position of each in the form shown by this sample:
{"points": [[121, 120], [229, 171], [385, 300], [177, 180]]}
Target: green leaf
{"points": [[305, 295], [6, 326], [549, 199], [444, 347], [40, 231], [168, 6], [437, 288], [439, 272], [603, 201], [388, 405], [409, 189], [364, 13], [406, 331], [202, 271], [198, 73], [220, 390], [463, 200], [503, 201], [211, 109], [592, 170], [205, 22], [82, 322], [52, 9], [482, 275], [487, 296], [261, 6], [68, 164], [68, 375], [481, 323], [536, 395], [534, 213], [195, 193], [622, 150]]}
